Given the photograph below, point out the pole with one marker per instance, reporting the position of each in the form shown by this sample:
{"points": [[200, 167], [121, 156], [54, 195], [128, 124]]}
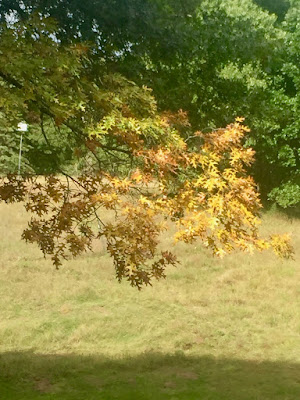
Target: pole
{"points": [[22, 127], [20, 154]]}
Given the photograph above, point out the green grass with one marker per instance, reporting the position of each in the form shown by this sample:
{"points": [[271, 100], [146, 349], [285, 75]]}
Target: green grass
{"points": [[227, 330]]}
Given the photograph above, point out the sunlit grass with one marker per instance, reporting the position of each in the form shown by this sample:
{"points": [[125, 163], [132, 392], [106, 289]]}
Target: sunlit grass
{"points": [[214, 329]]}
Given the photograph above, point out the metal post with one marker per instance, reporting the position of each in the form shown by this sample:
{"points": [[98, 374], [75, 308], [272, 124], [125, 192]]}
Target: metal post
{"points": [[22, 127], [20, 155]]}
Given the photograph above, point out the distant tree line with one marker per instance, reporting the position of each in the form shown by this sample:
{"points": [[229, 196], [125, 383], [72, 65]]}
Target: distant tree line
{"points": [[214, 59]]}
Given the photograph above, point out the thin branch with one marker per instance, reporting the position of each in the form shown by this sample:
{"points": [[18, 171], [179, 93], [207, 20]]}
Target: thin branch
{"points": [[11, 80], [51, 148], [45, 109]]}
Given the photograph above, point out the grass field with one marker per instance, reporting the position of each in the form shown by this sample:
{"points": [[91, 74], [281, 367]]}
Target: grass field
{"points": [[213, 330]]}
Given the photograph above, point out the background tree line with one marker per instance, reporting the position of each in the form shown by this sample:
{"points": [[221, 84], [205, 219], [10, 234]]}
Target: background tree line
{"points": [[215, 59]]}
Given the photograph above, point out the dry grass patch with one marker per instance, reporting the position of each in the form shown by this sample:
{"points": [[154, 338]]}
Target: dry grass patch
{"points": [[220, 329]]}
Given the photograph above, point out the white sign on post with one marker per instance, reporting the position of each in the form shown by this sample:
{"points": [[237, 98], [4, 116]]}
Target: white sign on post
{"points": [[22, 127]]}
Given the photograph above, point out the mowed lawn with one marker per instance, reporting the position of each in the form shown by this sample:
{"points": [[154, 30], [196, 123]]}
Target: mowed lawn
{"points": [[214, 329]]}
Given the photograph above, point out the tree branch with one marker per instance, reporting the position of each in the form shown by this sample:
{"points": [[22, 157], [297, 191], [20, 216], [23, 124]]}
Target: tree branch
{"points": [[45, 109]]}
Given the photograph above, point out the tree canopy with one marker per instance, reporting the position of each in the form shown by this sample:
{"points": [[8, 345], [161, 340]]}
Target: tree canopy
{"points": [[81, 81], [215, 59]]}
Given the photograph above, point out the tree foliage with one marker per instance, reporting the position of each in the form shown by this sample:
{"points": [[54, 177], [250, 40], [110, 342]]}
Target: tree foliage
{"points": [[215, 59], [278, 7], [136, 162], [239, 62]]}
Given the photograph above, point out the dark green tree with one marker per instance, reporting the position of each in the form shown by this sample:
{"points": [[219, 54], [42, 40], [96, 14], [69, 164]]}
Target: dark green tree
{"points": [[278, 7], [216, 59]]}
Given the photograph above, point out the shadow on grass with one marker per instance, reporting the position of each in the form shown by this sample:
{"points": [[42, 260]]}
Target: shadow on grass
{"points": [[29, 376]]}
